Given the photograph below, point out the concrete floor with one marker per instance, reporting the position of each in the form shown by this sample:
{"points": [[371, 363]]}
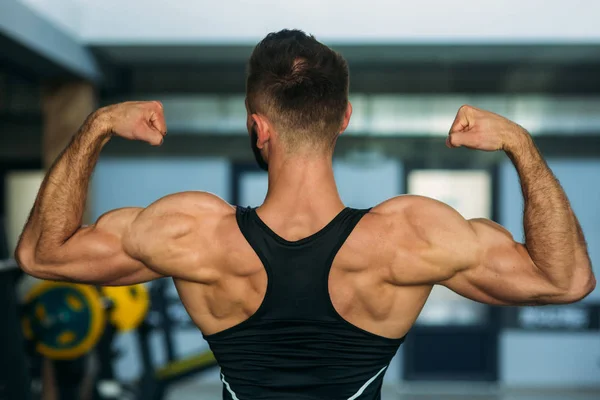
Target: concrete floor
{"points": [[430, 391]]}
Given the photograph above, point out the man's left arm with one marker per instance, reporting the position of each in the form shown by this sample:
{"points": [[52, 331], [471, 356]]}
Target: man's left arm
{"points": [[54, 245]]}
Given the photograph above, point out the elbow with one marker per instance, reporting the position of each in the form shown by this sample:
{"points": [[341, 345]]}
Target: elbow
{"points": [[23, 259], [24, 255], [589, 286], [581, 288], [29, 262]]}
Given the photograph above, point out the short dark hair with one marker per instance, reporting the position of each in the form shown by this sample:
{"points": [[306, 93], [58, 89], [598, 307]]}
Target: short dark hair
{"points": [[301, 85]]}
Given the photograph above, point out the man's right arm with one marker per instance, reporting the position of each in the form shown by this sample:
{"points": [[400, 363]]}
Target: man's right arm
{"points": [[479, 259], [553, 236]]}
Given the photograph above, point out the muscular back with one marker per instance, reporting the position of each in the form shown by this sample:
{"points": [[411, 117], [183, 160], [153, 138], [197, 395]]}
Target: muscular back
{"points": [[379, 281]]}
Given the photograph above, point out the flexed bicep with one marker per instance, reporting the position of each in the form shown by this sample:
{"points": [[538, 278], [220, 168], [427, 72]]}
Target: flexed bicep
{"points": [[477, 259], [502, 272], [178, 235]]}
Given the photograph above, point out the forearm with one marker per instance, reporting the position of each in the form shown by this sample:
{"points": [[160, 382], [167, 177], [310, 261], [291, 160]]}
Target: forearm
{"points": [[58, 210], [553, 236]]}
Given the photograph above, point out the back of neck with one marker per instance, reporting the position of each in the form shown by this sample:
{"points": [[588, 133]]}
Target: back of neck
{"points": [[302, 186]]}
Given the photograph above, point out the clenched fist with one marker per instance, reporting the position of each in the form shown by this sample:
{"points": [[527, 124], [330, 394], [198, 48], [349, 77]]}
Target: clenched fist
{"points": [[135, 120], [483, 130]]}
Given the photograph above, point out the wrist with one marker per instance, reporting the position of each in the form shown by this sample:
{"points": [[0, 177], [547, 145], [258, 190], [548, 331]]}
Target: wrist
{"points": [[99, 123], [519, 141]]}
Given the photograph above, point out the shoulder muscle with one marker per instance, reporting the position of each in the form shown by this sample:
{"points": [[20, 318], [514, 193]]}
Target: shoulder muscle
{"points": [[433, 241], [175, 235]]}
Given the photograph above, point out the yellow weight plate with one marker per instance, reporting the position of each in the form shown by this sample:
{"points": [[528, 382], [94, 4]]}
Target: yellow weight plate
{"points": [[130, 305], [73, 319]]}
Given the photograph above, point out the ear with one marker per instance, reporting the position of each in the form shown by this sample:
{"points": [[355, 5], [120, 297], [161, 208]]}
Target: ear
{"points": [[347, 116], [263, 129]]}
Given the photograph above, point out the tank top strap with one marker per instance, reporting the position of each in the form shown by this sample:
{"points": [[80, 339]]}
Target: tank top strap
{"points": [[342, 228]]}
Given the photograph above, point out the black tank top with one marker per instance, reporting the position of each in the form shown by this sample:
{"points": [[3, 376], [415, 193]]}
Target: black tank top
{"points": [[296, 346]]}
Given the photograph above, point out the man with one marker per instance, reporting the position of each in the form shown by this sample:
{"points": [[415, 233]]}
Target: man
{"points": [[303, 298]]}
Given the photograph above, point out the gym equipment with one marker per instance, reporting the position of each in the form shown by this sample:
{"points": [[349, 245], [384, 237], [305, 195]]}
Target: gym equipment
{"points": [[176, 370], [154, 386], [66, 320], [129, 305]]}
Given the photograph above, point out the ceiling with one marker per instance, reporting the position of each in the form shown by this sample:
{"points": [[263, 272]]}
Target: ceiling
{"points": [[559, 54], [427, 69]]}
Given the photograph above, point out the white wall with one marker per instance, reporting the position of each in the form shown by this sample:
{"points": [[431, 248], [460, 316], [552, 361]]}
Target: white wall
{"points": [[21, 189], [334, 21]]}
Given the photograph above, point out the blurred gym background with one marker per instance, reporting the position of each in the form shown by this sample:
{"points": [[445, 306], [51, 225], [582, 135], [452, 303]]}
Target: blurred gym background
{"points": [[412, 65]]}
